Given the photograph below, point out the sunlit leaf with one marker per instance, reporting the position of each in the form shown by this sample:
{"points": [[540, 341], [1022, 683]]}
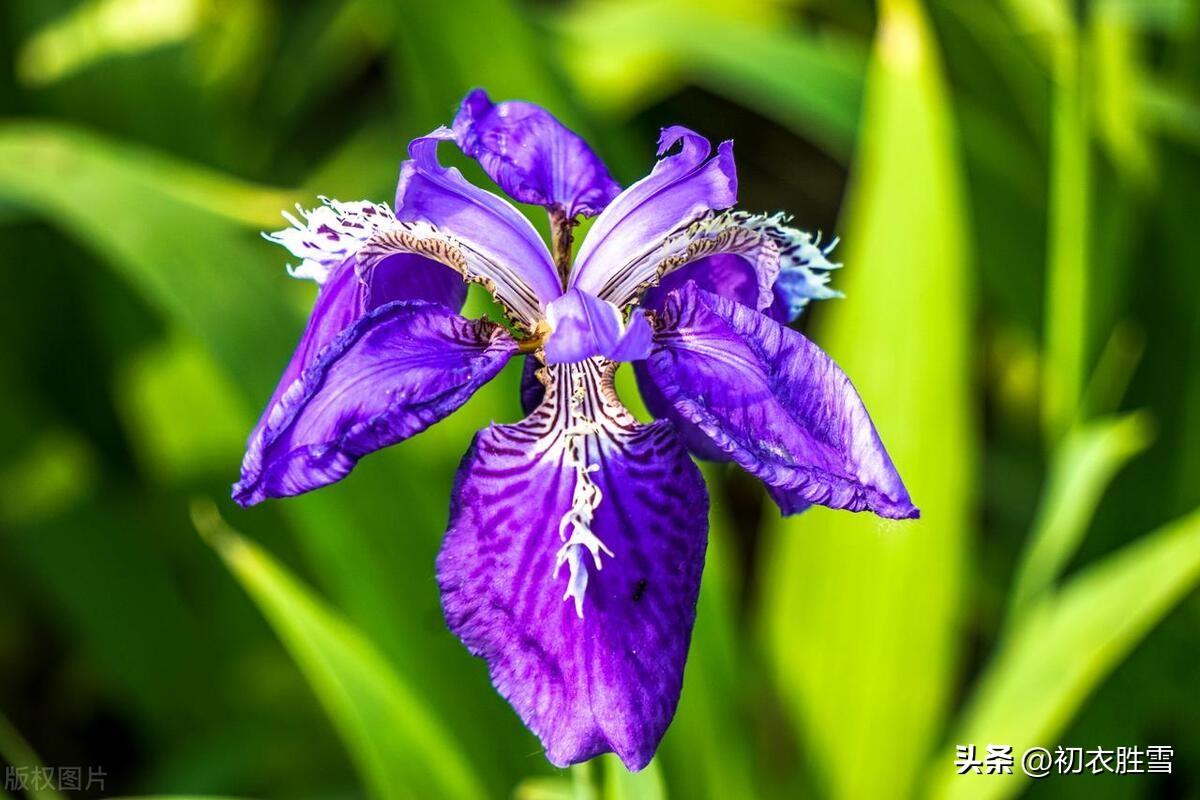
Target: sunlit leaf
{"points": [[627, 54], [153, 220], [399, 746], [173, 382], [546, 789], [100, 29], [863, 615], [1083, 465], [49, 477], [1066, 645], [699, 757], [621, 784], [1117, 62]]}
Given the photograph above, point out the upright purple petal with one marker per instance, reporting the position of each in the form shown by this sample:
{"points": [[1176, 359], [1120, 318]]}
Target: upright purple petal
{"points": [[572, 566], [725, 274], [583, 326], [407, 276], [532, 156], [391, 374], [769, 399], [480, 233], [681, 189]]}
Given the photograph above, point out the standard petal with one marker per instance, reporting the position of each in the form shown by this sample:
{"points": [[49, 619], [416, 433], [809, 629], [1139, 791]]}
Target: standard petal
{"points": [[757, 259], [769, 399], [583, 326], [725, 274], [532, 156], [682, 187], [394, 372], [471, 229], [572, 566]]}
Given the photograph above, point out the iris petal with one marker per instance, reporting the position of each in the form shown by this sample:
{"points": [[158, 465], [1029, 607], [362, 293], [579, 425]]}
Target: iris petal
{"points": [[598, 667], [757, 259], [532, 156], [769, 399], [391, 374], [682, 188], [345, 296], [477, 232], [584, 326]]}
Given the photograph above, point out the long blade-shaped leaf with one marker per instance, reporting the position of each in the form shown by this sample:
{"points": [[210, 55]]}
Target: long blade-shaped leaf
{"points": [[621, 784], [863, 614], [19, 755], [1083, 466], [400, 748], [700, 758], [156, 224], [154, 220], [1065, 646], [621, 53]]}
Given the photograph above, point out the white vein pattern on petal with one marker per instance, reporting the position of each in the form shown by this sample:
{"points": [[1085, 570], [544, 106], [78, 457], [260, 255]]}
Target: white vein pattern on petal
{"points": [[585, 499], [580, 424], [325, 236]]}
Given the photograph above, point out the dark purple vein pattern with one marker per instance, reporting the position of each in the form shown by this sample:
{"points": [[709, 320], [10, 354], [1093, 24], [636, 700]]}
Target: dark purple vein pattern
{"points": [[611, 679]]}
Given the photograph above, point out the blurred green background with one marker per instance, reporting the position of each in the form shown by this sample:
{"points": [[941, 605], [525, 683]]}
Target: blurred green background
{"points": [[1017, 187]]}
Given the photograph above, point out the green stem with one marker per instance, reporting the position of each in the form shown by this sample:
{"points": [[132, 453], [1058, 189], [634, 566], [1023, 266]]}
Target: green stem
{"points": [[562, 234]]}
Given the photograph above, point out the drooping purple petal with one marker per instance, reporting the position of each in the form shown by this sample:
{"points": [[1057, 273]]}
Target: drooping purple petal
{"points": [[345, 296], [770, 400], [394, 372], [532, 156], [482, 234], [590, 658], [692, 437], [682, 187], [584, 326]]}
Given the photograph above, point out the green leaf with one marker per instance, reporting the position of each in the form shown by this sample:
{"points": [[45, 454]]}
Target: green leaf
{"points": [[102, 29], [17, 752], [621, 784], [699, 757], [167, 228], [172, 380], [176, 797], [1117, 64], [398, 745], [1083, 466], [224, 287], [1064, 647], [438, 59], [546, 789], [863, 615], [625, 54]]}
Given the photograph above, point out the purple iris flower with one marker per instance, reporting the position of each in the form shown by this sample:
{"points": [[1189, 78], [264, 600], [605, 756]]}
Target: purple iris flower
{"points": [[576, 538]]}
